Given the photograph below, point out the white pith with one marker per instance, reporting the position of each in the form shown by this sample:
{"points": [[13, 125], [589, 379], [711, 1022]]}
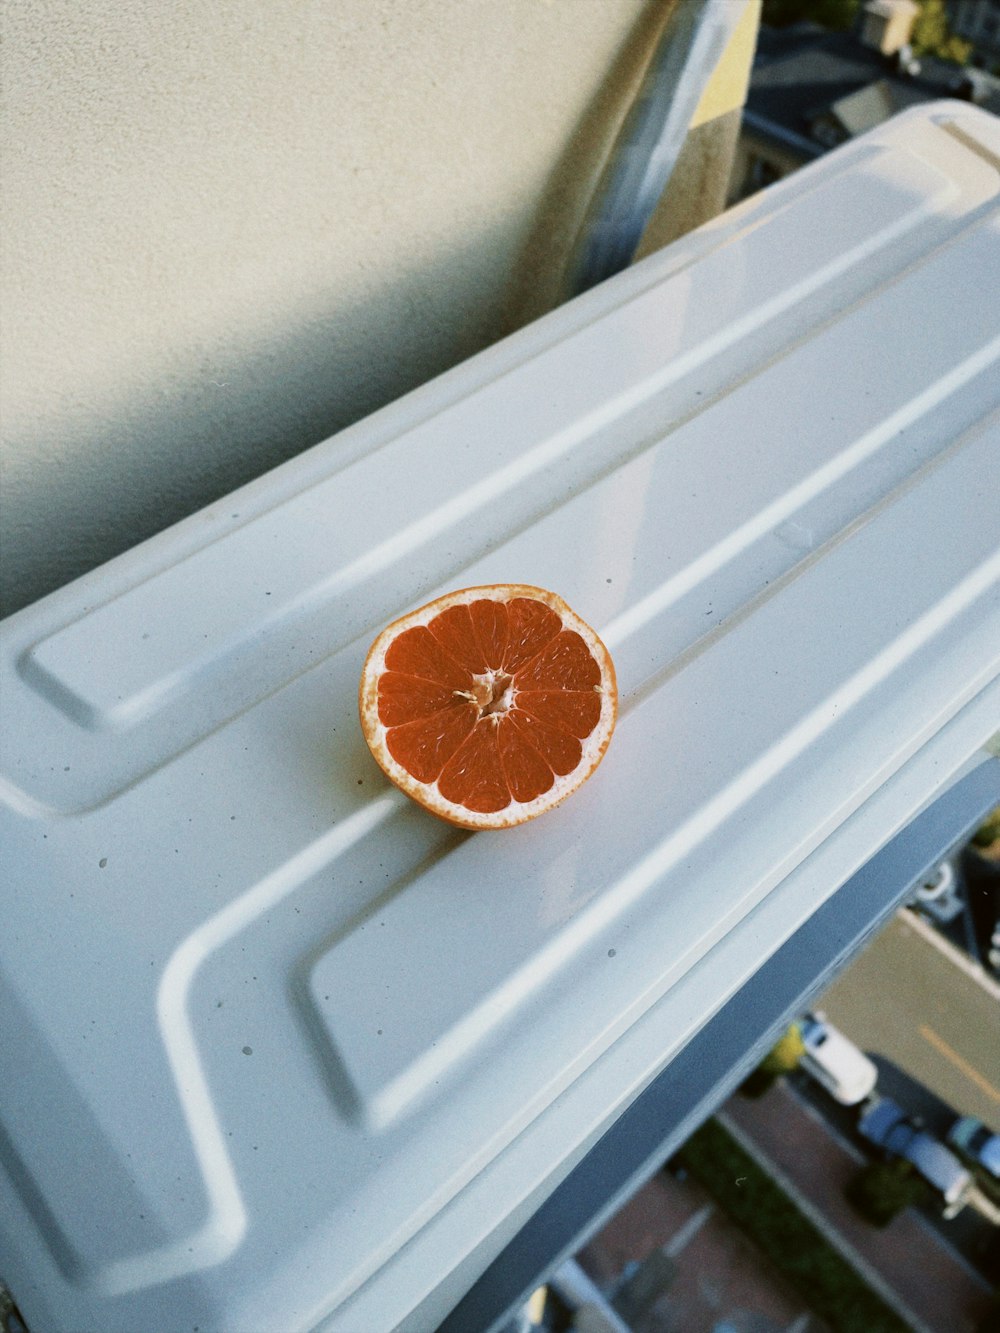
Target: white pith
{"points": [[516, 812], [484, 693]]}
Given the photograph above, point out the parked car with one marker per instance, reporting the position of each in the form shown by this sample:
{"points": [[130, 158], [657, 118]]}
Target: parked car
{"points": [[979, 1146], [888, 1126], [835, 1062]]}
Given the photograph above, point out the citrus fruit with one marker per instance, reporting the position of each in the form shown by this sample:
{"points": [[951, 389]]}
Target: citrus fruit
{"points": [[489, 705]]}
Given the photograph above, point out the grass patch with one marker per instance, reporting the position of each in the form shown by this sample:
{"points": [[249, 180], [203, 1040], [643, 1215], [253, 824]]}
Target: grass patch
{"points": [[824, 1280]]}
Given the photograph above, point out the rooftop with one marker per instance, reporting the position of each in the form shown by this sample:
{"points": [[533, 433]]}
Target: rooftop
{"points": [[802, 71]]}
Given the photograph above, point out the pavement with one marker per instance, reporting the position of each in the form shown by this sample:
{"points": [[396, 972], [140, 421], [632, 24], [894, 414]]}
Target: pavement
{"points": [[908, 1262], [931, 1019], [715, 1273]]}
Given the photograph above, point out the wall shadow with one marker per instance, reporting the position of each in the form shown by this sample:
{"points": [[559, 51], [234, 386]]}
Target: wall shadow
{"points": [[540, 274], [107, 474]]}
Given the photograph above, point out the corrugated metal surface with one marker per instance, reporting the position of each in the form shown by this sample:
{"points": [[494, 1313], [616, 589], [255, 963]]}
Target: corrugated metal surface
{"points": [[276, 1041]]}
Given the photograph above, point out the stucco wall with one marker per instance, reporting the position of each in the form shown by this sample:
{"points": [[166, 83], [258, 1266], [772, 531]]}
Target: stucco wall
{"points": [[233, 228]]}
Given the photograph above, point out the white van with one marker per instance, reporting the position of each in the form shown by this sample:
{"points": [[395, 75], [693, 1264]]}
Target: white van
{"points": [[835, 1062]]}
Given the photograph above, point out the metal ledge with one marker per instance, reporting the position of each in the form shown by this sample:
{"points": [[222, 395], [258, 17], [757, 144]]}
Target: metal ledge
{"points": [[711, 1066]]}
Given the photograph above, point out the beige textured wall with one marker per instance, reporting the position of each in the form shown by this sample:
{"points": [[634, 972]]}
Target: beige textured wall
{"points": [[232, 227]]}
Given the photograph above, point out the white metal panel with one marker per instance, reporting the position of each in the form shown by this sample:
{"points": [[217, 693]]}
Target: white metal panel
{"points": [[277, 1040]]}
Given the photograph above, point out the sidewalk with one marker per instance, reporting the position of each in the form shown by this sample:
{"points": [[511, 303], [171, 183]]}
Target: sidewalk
{"points": [[718, 1273], [930, 1285]]}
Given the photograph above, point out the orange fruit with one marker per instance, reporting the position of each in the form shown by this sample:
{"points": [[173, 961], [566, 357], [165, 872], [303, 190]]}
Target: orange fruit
{"points": [[489, 705]]}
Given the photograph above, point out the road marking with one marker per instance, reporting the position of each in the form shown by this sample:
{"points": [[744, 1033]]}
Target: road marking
{"points": [[960, 1063], [688, 1231]]}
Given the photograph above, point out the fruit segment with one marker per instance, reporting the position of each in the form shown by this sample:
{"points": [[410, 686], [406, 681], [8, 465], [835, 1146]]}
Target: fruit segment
{"points": [[473, 776], [456, 634], [492, 626], [407, 698], [418, 653], [560, 751], [575, 711], [425, 746], [527, 772], [532, 626], [566, 663]]}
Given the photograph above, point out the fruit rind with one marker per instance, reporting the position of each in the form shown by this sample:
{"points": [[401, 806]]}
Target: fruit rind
{"points": [[594, 746]]}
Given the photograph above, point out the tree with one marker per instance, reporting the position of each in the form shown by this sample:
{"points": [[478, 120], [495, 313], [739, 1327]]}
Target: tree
{"points": [[837, 15], [786, 1053], [988, 832], [932, 35], [880, 1190], [782, 1058]]}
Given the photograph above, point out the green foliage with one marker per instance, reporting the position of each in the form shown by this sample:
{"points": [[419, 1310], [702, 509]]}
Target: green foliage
{"points": [[933, 37], [988, 832], [785, 1055], [837, 15], [782, 1058], [880, 1190], [757, 1082], [825, 1281]]}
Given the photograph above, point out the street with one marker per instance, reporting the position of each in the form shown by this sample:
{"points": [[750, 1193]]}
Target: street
{"points": [[912, 998], [931, 1020]]}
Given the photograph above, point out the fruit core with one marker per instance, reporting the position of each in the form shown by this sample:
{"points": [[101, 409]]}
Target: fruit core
{"points": [[492, 692]]}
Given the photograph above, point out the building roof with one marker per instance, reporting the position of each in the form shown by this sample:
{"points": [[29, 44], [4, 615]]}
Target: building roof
{"points": [[803, 71]]}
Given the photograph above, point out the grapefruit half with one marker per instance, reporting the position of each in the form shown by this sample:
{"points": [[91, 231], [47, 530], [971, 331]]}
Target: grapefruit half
{"points": [[489, 705]]}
